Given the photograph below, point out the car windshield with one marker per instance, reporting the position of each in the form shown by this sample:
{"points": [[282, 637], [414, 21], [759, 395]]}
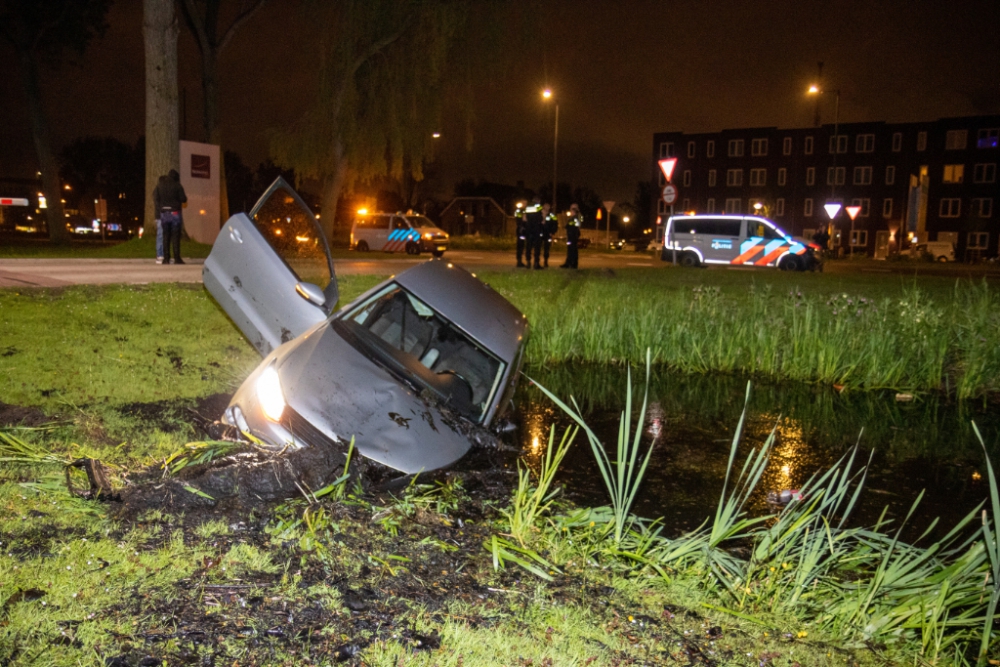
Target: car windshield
{"points": [[412, 340], [420, 221]]}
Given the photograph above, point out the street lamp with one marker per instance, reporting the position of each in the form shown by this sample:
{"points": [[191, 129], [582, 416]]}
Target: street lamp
{"points": [[547, 94], [816, 90]]}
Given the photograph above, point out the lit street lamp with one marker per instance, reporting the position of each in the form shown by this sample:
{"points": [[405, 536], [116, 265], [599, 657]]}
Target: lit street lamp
{"points": [[547, 94], [816, 90]]}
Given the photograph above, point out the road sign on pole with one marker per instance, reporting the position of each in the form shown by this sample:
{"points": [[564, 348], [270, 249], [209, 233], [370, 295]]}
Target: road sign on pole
{"points": [[608, 205], [667, 167], [669, 194]]}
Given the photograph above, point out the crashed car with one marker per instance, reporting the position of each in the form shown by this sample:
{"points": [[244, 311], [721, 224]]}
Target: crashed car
{"points": [[416, 369]]}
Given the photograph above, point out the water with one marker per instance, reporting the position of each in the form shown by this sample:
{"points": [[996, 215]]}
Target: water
{"points": [[925, 444]]}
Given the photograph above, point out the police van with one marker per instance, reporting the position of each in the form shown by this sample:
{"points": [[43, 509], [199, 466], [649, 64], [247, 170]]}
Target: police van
{"points": [[737, 240], [397, 232]]}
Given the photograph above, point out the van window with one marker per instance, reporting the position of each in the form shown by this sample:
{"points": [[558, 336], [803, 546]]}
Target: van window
{"points": [[399, 223], [713, 226], [759, 229]]}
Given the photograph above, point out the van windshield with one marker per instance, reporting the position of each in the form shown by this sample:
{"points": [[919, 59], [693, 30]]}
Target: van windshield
{"points": [[420, 221], [759, 229]]}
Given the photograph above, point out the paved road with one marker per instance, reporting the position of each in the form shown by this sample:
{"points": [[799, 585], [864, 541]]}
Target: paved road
{"points": [[63, 272]]}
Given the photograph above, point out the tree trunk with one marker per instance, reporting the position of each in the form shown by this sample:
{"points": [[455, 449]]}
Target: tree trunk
{"points": [[162, 122], [54, 215], [331, 191]]}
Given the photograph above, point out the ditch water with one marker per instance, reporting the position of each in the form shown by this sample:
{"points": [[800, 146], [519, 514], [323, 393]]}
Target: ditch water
{"points": [[924, 444]]}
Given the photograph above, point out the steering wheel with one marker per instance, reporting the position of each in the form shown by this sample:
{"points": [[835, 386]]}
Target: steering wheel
{"points": [[466, 383]]}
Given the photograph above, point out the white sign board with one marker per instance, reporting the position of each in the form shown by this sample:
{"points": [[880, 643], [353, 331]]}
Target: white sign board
{"points": [[669, 194], [200, 178]]}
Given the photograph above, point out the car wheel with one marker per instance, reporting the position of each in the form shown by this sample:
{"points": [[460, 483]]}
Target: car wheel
{"points": [[942, 258], [361, 246], [437, 253], [688, 259], [412, 248], [789, 263]]}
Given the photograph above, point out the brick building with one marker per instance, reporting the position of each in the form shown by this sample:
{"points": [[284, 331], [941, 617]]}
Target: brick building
{"points": [[926, 181]]}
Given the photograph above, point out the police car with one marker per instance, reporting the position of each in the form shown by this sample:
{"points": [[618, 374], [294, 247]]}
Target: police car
{"points": [[397, 232], [737, 240]]}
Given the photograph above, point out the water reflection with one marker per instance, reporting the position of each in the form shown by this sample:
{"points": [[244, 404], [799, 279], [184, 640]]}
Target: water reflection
{"points": [[926, 444]]}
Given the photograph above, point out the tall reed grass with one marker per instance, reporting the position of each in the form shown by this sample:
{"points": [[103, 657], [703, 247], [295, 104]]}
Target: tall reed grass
{"points": [[903, 339]]}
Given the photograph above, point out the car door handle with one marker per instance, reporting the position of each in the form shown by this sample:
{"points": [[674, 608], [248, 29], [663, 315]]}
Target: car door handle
{"points": [[235, 235]]}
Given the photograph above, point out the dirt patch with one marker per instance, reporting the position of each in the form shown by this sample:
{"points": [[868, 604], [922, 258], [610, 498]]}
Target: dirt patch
{"points": [[18, 415], [172, 416]]}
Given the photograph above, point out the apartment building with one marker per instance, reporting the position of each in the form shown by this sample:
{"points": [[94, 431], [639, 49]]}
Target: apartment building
{"points": [[932, 180]]}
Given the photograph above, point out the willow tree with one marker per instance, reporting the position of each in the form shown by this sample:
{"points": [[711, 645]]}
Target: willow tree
{"points": [[385, 65]]}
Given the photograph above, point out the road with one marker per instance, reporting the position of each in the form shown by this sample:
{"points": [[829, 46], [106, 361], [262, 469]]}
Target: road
{"points": [[64, 272]]}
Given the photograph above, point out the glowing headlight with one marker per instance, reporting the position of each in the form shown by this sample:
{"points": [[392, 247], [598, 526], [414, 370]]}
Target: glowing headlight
{"points": [[272, 401], [428, 236]]}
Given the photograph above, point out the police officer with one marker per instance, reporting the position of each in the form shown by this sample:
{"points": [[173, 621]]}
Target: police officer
{"points": [[573, 225], [549, 228], [534, 220], [520, 232]]}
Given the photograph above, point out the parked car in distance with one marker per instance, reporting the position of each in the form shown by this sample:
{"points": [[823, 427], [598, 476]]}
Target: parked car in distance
{"points": [[395, 232], [737, 240], [937, 251], [415, 369]]}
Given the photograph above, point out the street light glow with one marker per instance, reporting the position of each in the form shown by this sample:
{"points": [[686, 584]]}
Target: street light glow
{"points": [[813, 89], [547, 93]]}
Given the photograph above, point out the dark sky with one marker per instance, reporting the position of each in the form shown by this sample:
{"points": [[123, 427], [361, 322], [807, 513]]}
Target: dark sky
{"points": [[622, 71]]}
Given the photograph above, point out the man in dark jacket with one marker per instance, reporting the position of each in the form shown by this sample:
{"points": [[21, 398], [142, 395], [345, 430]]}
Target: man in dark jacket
{"points": [[534, 219], [573, 225], [550, 227], [168, 198]]}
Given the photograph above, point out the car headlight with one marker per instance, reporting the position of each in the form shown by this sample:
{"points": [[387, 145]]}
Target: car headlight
{"points": [[269, 393], [428, 236]]}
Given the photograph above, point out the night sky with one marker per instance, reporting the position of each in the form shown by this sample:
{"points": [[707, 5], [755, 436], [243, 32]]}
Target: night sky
{"points": [[622, 71]]}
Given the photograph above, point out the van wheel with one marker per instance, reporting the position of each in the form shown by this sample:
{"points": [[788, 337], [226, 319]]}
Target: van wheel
{"points": [[437, 253], [789, 264], [688, 259], [361, 246], [942, 258], [412, 248]]}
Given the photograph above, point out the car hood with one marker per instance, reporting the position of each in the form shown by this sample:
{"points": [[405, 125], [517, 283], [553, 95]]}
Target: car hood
{"points": [[343, 393]]}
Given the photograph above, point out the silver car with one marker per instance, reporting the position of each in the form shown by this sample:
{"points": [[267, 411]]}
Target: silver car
{"points": [[415, 369]]}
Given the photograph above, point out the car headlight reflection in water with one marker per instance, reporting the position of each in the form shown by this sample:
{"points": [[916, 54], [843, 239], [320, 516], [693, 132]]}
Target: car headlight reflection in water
{"points": [[269, 393]]}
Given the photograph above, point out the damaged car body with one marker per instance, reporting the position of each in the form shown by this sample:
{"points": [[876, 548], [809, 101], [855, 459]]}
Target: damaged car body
{"points": [[416, 370]]}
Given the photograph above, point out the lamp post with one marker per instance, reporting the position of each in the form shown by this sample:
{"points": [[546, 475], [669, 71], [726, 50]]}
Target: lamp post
{"points": [[547, 95], [816, 90]]}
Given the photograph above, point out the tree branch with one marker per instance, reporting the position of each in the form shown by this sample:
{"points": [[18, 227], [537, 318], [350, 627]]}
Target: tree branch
{"points": [[237, 22], [196, 24]]}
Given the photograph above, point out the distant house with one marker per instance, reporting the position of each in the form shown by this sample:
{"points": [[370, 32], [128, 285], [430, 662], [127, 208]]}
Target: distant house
{"points": [[476, 215]]}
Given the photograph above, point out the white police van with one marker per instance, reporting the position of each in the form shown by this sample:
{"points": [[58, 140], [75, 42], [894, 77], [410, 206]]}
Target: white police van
{"points": [[397, 232], [737, 240]]}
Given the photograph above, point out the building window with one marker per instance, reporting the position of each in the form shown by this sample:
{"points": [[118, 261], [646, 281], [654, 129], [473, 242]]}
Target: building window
{"points": [[865, 204], [921, 141], [836, 175], [734, 178], [982, 207], [838, 143], [758, 177], [687, 178], [661, 207], [782, 176], [711, 178], [691, 149], [862, 175], [978, 240], [710, 148], [985, 173], [897, 142], [711, 205], [667, 149], [733, 205], [988, 138], [887, 208], [811, 176], [950, 208], [809, 146], [955, 140], [807, 210], [890, 175], [662, 179], [735, 148], [758, 147], [859, 237], [686, 205], [786, 146], [779, 208], [954, 173], [865, 143]]}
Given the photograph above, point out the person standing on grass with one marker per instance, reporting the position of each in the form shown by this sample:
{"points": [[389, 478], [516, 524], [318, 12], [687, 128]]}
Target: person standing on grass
{"points": [[159, 223], [169, 197], [573, 225], [520, 234], [549, 228], [534, 219]]}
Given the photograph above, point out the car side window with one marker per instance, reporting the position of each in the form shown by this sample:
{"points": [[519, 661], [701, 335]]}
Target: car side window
{"points": [[399, 223], [759, 229], [292, 232]]}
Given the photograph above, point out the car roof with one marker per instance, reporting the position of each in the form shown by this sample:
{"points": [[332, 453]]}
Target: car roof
{"points": [[470, 304]]}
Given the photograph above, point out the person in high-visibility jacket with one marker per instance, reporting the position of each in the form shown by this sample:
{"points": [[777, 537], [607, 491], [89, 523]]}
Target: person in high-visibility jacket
{"points": [[549, 228], [520, 232], [573, 225], [534, 219]]}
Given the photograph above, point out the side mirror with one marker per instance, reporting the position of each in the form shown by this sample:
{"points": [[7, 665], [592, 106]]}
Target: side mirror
{"points": [[311, 293]]}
